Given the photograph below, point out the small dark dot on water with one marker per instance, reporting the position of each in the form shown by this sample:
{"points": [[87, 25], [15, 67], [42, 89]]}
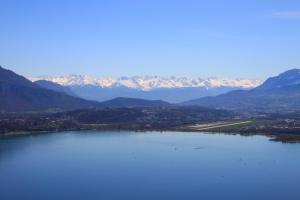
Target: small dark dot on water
{"points": [[197, 148]]}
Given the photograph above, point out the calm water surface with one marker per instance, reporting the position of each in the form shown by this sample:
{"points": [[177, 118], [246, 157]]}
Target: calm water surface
{"points": [[152, 165]]}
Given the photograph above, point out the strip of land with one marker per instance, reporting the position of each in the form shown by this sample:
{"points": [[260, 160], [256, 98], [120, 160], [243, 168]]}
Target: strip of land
{"points": [[284, 128], [202, 127]]}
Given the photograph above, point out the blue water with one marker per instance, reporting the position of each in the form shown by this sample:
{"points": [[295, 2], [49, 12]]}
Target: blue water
{"points": [[152, 165]]}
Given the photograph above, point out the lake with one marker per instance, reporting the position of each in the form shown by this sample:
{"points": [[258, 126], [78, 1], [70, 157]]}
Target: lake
{"points": [[150, 165]]}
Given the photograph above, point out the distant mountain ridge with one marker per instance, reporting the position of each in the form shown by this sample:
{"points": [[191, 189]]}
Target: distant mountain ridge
{"points": [[147, 83], [171, 89], [277, 94], [17, 94]]}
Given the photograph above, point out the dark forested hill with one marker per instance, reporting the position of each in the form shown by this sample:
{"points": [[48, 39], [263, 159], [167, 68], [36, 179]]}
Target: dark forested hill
{"points": [[133, 102], [277, 94], [55, 87], [19, 94]]}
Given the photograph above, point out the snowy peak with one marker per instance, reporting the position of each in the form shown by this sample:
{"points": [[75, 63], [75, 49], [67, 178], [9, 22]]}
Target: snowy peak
{"points": [[147, 83]]}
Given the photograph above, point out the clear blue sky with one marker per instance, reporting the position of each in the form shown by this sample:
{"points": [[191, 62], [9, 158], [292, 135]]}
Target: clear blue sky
{"points": [[224, 38]]}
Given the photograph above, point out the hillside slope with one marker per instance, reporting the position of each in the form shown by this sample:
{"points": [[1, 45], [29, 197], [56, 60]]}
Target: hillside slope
{"points": [[277, 94], [17, 94]]}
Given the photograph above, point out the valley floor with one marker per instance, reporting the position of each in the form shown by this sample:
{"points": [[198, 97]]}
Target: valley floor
{"points": [[214, 125], [285, 128], [278, 130]]}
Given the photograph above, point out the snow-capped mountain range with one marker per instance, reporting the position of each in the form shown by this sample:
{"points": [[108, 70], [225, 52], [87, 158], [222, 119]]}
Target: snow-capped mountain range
{"points": [[148, 83]]}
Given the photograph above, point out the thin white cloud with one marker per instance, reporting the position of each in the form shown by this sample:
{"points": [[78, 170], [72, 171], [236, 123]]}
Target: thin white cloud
{"points": [[286, 15]]}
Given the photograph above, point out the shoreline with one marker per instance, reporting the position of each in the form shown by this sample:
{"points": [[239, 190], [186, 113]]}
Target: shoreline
{"points": [[276, 137]]}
